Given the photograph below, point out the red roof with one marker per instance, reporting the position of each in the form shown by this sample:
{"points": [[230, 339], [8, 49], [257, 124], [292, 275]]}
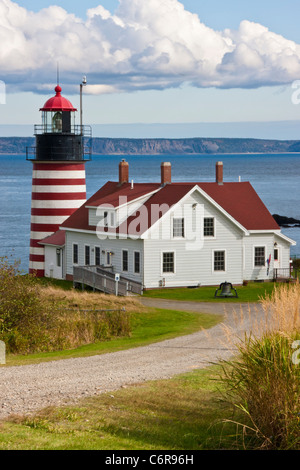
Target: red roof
{"points": [[57, 239], [239, 200], [58, 103], [108, 194], [125, 190], [242, 202]]}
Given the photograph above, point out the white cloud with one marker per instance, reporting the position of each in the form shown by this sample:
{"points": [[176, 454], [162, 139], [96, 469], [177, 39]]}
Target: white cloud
{"points": [[151, 44]]}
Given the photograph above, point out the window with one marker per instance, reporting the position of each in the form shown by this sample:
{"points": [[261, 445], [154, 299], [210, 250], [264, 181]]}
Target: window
{"points": [[137, 262], [259, 256], [75, 254], [219, 261], [108, 258], [168, 262], [276, 257], [209, 227], [87, 255], [58, 257], [97, 256], [178, 228], [125, 260]]}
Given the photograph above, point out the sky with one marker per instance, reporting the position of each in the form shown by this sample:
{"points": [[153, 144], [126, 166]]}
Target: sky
{"points": [[155, 68]]}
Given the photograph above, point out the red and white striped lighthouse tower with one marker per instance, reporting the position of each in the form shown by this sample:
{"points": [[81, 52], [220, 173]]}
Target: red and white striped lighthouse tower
{"points": [[58, 179]]}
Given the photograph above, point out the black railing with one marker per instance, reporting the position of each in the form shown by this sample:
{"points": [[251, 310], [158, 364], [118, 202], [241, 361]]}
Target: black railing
{"points": [[85, 131], [285, 274], [59, 153], [74, 144]]}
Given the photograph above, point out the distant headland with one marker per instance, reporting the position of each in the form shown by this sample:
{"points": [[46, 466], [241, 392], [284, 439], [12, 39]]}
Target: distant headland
{"points": [[286, 222], [188, 146]]}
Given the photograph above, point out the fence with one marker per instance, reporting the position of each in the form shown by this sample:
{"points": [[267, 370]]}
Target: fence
{"points": [[101, 279], [285, 274]]}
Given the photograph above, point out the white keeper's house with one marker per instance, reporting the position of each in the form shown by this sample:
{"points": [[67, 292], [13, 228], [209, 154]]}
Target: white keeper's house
{"points": [[171, 234]]}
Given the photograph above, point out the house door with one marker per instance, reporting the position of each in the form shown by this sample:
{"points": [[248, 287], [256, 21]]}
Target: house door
{"points": [[276, 258]]}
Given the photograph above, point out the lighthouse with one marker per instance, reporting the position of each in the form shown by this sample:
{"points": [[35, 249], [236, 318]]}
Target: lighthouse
{"points": [[58, 177]]}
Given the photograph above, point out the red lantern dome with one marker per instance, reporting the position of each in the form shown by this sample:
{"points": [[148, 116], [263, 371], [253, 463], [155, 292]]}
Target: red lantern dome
{"points": [[58, 103]]}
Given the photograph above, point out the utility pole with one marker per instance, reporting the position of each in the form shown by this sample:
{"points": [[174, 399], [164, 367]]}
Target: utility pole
{"points": [[82, 84]]}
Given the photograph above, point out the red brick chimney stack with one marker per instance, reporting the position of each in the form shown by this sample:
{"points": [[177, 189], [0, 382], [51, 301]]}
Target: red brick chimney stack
{"points": [[165, 173], [219, 172], [123, 172]]}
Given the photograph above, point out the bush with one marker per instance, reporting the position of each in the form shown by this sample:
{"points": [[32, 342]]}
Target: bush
{"points": [[264, 382], [296, 263], [24, 319], [35, 319]]}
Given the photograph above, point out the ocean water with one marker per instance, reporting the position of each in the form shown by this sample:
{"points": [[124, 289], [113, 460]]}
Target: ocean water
{"points": [[276, 179]]}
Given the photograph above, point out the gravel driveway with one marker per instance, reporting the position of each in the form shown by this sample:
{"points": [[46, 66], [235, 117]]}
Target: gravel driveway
{"points": [[25, 389]]}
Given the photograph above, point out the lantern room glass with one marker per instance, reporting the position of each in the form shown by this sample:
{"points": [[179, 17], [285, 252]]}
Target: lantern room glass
{"points": [[52, 122]]}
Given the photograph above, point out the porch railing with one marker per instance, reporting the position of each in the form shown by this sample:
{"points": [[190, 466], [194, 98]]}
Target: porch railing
{"points": [[104, 280], [285, 274]]}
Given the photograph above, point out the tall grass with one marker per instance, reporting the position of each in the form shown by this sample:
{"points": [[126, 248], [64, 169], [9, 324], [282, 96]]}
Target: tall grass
{"points": [[75, 328], [34, 318], [264, 381], [283, 307]]}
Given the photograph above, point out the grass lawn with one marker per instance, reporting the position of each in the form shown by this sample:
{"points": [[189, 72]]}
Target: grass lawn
{"points": [[253, 292], [183, 413], [149, 326]]}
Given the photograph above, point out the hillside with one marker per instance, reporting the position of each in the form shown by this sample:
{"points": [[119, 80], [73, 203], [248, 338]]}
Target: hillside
{"points": [[109, 146], [191, 146], [12, 145]]}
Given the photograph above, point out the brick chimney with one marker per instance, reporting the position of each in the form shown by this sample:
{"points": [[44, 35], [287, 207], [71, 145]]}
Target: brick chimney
{"points": [[219, 172], [123, 172], [165, 173]]}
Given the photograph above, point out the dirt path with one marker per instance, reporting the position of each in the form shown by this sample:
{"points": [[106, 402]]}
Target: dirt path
{"points": [[25, 389], [201, 307]]}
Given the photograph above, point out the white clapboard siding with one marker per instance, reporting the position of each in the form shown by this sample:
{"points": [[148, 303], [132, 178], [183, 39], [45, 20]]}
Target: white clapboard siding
{"points": [[284, 252], [267, 240], [194, 258], [51, 268], [114, 245], [252, 272], [193, 254]]}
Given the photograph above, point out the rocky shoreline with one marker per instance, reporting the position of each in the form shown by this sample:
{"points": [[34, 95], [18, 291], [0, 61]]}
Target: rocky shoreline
{"points": [[286, 222]]}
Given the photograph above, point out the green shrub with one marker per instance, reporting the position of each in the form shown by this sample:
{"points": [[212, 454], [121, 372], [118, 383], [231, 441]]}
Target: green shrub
{"points": [[35, 320], [24, 318], [265, 384], [296, 263]]}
